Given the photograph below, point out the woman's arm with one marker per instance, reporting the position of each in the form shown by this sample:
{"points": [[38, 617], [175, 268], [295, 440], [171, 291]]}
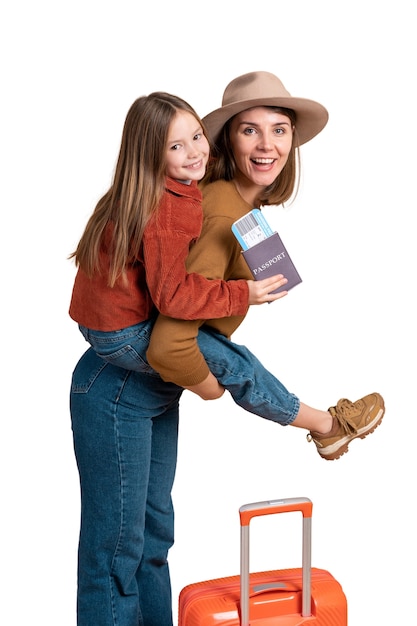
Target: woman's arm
{"points": [[173, 352], [173, 349]]}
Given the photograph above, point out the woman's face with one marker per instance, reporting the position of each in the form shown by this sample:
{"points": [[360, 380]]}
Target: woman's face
{"points": [[261, 140]]}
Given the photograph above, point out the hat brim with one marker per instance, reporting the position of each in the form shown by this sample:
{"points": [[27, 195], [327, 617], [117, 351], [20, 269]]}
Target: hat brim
{"points": [[312, 116]]}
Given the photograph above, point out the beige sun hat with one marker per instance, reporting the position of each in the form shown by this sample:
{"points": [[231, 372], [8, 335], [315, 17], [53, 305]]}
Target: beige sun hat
{"points": [[265, 89]]}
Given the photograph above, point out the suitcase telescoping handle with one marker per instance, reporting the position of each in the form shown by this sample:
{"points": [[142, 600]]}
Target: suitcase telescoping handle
{"points": [[270, 507]]}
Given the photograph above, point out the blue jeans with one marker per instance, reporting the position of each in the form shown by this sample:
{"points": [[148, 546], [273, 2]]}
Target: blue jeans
{"points": [[250, 384], [125, 429]]}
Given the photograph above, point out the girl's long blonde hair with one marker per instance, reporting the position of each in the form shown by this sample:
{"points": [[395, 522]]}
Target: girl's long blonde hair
{"points": [[137, 187]]}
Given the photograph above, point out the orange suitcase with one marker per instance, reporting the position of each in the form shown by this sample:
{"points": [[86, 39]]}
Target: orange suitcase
{"points": [[279, 597]]}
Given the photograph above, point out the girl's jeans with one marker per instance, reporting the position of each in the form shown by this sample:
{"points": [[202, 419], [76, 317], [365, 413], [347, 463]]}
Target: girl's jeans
{"points": [[125, 427], [250, 384]]}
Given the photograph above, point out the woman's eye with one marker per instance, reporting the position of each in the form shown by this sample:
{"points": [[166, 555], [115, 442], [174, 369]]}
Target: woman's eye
{"points": [[249, 131]]}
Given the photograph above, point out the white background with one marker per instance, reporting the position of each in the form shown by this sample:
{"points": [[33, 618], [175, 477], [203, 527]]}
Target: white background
{"points": [[70, 71]]}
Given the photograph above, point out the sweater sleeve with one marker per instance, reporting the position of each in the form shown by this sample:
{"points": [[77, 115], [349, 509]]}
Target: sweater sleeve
{"points": [[173, 352], [180, 294]]}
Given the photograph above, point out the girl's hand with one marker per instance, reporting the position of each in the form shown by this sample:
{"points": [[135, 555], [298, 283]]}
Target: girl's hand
{"points": [[260, 290]]}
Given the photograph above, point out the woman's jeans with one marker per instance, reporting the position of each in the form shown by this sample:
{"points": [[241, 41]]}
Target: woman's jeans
{"points": [[250, 384], [125, 428]]}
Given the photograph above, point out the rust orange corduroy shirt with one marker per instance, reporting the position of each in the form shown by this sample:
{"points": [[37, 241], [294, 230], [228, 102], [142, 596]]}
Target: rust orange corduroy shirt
{"points": [[159, 277]]}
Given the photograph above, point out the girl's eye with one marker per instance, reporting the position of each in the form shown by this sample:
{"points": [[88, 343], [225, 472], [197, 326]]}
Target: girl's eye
{"points": [[198, 136], [176, 146]]}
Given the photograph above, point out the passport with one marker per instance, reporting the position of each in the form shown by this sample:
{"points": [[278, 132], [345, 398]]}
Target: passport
{"points": [[264, 253]]}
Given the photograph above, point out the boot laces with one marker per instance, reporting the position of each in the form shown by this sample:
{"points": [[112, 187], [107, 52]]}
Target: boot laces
{"points": [[345, 412]]}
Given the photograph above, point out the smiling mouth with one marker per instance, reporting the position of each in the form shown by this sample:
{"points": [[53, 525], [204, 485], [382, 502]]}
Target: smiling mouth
{"points": [[263, 161], [195, 166]]}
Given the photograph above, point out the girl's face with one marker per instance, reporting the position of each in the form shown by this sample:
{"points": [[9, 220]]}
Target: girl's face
{"points": [[261, 140], [187, 150]]}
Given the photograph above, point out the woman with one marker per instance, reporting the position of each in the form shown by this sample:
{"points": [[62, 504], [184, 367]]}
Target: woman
{"points": [[125, 423], [256, 132]]}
